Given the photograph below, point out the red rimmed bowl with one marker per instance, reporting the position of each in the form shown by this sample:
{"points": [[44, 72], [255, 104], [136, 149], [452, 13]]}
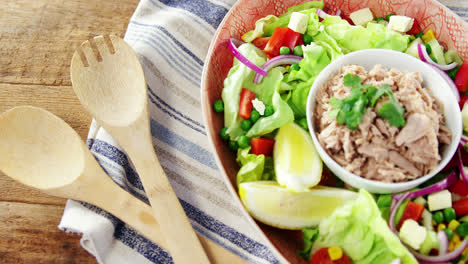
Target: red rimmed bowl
{"points": [[450, 30]]}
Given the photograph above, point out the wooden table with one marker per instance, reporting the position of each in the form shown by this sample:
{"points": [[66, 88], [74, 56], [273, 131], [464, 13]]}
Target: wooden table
{"points": [[37, 41]]}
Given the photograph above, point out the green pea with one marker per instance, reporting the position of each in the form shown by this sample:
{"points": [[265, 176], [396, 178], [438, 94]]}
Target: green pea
{"points": [[303, 123], [243, 141], [233, 145], [294, 67], [254, 116], [246, 124], [298, 51], [379, 19], [449, 233], [438, 217], [307, 39], [389, 15], [428, 48], [285, 50], [218, 106], [223, 133], [462, 229], [419, 35], [449, 214], [269, 110]]}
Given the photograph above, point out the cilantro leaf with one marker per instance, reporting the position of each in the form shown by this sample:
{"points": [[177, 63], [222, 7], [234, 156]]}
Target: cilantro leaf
{"points": [[352, 80], [309, 235], [393, 112]]}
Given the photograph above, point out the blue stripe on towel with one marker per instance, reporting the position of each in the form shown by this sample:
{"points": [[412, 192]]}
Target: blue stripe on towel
{"points": [[213, 14], [173, 109], [173, 64], [166, 33]]}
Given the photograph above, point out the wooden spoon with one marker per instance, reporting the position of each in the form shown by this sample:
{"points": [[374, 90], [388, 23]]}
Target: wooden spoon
{"points": [[41, 151], [109, 81]]}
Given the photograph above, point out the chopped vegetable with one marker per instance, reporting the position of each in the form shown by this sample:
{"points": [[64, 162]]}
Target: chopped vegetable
{"points": [[452, 56], [423, 54], [459, 188], [309, 235], [223, 133], [437, 51], [243, 142], [431, 242], [303, 123], [412, 211], [218, 106], [449, 214], [461, 79], [262, 146], [428, 36], [438, 217], [462, 229], [461, 207], [253, 167], [298, 51], [245, 104], [279, 60], [415, 29], [439, 200], [261, 42], [233, 145], [233, 44], [282, 36], [254, 116], [335, 253], [453, 224], [269, 110], [322, 256], [246, 124], [284, 50], [449, 233], [307, 39]]}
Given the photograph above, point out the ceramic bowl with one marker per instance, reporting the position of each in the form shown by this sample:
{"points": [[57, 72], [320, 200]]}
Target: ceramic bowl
{"points": [[405, 63], [450, 29]]}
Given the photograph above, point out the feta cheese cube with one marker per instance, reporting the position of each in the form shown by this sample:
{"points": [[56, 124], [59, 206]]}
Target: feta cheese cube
{"points": [[259, 106], [400, 23], [298, 22], [439, 200], [413, 234], [362, 17]]}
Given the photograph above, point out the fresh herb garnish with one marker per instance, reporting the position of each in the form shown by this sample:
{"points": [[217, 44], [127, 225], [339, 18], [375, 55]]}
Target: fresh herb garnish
{"points": [[351, 109]]}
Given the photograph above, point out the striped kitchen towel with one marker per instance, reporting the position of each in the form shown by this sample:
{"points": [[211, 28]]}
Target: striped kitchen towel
{"points": [[172, 38]]}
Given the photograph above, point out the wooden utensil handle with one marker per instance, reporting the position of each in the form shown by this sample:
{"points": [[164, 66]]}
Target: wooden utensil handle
{"points": [[181, 239]]}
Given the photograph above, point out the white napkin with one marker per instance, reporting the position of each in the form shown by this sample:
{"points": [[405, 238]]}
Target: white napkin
{"points": [[172, 38]]}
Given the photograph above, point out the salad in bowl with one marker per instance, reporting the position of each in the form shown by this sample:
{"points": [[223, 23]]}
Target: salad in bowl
{"points": [[257, 110]]}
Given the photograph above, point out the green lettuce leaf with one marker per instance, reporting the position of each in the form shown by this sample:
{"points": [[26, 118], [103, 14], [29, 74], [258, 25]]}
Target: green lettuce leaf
{"points": [[362, 233], [253, 167], [268, 93], [239, 76], [315, 59], [259, 25]]}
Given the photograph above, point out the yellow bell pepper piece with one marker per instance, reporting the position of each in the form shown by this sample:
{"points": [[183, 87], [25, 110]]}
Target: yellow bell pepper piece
{"points": [[428, 36], [453, 224], [335, 253], [441, 227]]}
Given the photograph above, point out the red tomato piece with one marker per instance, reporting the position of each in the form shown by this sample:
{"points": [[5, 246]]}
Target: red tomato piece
{"points": [[282, 36], [412, 211], [245, 103], [461, 207], [415, 29], [262, 146], [261, 42], [322, 257], [460, 188], [463, 100], [461, 79]]}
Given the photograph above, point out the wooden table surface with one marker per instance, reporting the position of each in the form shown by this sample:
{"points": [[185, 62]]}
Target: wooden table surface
{"points": [[37, 41]]}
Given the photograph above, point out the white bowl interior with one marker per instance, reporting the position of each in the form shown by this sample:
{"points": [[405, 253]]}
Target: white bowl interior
{"points": [[403, 62]]}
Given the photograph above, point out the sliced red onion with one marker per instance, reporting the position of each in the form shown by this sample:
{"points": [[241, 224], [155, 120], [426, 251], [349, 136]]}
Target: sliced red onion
{"points": [[396, 261], [449, 82], [443, 242], [322, 14], [464, 139], [394, 209], [276, 61], [338, 12], [422, 52], [460, 167], [442, 258], [233, 44], [442, 185]]}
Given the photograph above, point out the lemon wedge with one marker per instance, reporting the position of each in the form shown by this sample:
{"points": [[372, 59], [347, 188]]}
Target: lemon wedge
{"points": [[297, 163], [276, 206]]}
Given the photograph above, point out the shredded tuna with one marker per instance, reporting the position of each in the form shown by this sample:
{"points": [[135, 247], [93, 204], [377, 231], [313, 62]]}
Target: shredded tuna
{"points": [[377, 150]]}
